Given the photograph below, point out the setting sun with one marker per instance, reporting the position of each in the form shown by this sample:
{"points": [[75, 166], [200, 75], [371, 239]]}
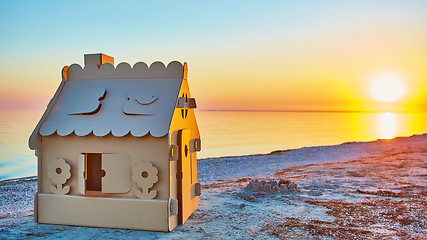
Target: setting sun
{"points": [[387, 88]]}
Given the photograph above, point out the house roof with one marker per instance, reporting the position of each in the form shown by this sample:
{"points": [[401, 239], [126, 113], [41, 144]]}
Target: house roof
{"points": [[120, 101]]}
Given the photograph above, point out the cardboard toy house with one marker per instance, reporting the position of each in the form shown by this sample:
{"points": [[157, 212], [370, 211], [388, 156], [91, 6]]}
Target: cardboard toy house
{"points": [[117, 147]]}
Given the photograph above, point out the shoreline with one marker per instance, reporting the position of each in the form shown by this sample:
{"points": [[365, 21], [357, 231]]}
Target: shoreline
{"points": [[293, 149], [265, 164]]}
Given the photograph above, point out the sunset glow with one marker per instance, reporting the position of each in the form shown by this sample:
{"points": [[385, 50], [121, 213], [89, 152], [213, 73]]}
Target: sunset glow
{"points": [[269, 56], [387, 88]]}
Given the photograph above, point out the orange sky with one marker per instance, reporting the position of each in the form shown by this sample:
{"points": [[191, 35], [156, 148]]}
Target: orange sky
{"points": [[241, 56]]}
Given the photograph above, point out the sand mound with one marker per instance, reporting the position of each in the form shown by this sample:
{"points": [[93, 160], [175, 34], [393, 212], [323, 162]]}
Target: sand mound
{"points": [[273, 186]]}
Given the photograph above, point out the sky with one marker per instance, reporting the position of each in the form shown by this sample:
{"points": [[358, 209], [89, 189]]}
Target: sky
{"points": [[241, 55]]}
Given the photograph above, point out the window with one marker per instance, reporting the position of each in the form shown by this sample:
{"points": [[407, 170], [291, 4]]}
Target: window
{"points": [[104, 172]]}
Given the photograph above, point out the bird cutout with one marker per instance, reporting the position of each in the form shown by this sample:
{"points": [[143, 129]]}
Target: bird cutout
{"points": [[139, 103], [86, 102], [144, 100]]}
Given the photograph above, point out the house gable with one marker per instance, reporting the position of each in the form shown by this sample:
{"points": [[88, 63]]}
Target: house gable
{"points": [[184, 116]]}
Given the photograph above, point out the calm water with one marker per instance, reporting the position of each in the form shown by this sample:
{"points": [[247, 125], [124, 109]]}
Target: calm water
{"points": [[233, 133]]}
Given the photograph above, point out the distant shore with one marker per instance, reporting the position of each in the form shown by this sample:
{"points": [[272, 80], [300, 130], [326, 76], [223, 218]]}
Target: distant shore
{"points": [[360, 189]]}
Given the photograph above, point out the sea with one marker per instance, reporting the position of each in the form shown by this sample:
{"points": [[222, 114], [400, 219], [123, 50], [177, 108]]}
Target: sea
{"points": [[233, 133]]}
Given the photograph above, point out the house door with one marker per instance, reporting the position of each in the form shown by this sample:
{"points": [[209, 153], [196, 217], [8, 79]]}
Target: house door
{"points": [[184, 176]]}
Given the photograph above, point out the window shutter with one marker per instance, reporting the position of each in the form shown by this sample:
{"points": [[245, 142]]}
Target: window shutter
{"points": [[81, 172], [118, 173]]}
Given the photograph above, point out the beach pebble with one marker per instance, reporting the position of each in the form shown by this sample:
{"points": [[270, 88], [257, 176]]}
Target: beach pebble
{"points": [[284, 189], [267, 187], [292, 187], [249, 198], [315, 193], [274, 182]]}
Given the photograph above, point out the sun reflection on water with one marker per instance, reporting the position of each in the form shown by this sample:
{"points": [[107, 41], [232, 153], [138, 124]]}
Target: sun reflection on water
{"points": [[387, 125]]}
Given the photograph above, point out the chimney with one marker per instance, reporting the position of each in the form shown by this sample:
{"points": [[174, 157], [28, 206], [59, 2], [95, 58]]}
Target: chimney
{"points": [[98, 59]]}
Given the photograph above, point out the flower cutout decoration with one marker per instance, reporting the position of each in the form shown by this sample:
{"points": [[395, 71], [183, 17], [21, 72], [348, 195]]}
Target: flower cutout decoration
{"points": [[58, 170], [144, 174]]}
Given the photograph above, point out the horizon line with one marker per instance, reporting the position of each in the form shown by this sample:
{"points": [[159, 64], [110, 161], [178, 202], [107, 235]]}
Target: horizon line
{"points": [[309, 111], [241, 110]]}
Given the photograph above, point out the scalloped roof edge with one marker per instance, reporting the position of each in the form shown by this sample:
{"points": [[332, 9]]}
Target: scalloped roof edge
{"points": [[123, 70], [122, 134]]}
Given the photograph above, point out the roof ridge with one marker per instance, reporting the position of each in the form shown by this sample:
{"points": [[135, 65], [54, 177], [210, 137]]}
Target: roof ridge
{"points": [[139, 70]]}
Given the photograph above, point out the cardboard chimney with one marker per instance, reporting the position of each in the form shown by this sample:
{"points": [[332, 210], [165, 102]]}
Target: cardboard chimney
{"points": [[117, 147]]}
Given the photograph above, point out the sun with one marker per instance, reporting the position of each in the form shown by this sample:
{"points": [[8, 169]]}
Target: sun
{"points": [[387, 88]]}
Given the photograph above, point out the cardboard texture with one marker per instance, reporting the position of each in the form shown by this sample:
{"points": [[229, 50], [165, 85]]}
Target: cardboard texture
{"points": [[117, 147], [117, 168]]}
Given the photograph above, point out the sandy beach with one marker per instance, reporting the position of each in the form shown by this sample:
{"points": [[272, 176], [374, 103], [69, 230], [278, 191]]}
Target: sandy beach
{"points": [[359, 190]]}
